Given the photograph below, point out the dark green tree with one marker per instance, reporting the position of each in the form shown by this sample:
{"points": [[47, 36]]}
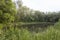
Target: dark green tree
{"points": [[7, 11]]}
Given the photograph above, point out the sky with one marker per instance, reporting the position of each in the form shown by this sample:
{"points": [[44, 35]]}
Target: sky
{"points": [[43, 5]]}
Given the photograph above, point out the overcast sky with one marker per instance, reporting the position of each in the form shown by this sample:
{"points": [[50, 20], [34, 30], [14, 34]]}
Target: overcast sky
{"points": [[43, 5]]}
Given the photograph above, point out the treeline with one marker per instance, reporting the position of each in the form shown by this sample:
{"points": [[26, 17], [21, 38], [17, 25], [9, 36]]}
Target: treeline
{"points": [[39, 17], [25, 14]]}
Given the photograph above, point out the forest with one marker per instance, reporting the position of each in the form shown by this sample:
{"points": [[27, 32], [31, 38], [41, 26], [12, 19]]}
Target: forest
{"points": [[19, 22]]}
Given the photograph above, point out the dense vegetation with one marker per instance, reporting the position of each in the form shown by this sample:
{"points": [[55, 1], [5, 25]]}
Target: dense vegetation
{"points": [[22, 23], [7, 11], [52, 33]]}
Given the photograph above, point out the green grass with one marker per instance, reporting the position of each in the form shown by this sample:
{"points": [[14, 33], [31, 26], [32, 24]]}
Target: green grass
{"points": [[51, 33]]}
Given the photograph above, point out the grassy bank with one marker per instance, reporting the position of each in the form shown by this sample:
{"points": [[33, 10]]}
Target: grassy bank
{"points": [[51, 33]]}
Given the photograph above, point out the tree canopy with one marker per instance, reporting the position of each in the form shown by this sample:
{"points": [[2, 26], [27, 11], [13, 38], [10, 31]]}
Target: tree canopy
{"points": [[7, 11]]}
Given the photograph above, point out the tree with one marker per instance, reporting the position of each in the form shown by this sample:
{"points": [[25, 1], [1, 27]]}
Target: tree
{"points": [[7, 11], [22, 12]]}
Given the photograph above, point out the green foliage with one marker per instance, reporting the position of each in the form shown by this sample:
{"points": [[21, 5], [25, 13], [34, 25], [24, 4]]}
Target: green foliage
{"points": [[7, 11], [1, 26], [57, 25], [51, 33], [9, 30]]}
